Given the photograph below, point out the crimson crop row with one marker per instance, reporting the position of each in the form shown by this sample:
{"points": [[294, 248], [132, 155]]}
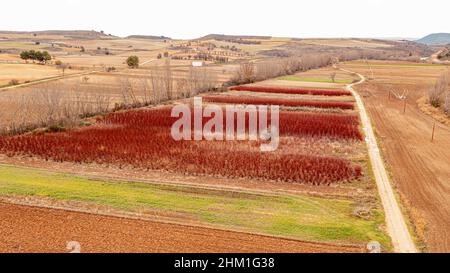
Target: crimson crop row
{"points": [[279, 101], [331, 125], [154, 149], [293, 91], [141, 139]]}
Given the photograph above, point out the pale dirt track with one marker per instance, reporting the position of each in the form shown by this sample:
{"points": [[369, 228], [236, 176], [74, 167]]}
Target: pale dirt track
{"points": [[396, 224], [31, 229]]}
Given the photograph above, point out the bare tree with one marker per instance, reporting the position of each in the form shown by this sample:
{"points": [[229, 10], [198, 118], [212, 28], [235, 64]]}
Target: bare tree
{"points": [[157, 86], [333, 76], [245, 73], [63, 68], [168, 79], [193, 80], [436, 92], [147, 92], [207, 80], [53, 105], [268, 69], [182, 88], [286, 66], [129, 94], [447, 103], [445, 82]]}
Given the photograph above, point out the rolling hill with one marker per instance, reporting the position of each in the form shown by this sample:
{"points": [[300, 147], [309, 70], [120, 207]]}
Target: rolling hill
{"points": [[435, 39]]}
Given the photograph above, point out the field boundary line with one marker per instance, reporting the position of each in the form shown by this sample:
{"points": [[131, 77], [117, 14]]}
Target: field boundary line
{"points": [[395, 221]]}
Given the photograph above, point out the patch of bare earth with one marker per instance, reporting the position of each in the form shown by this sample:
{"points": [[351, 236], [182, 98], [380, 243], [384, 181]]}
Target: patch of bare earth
{"points": [[31, 229]]}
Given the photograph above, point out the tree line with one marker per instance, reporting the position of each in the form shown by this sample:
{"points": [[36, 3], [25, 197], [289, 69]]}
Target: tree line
{"points": [[42, 57]]}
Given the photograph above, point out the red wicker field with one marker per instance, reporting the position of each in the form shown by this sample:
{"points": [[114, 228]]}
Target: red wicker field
{"points": [[297, 91], [336, 126], [281, 102], [142, 139]]}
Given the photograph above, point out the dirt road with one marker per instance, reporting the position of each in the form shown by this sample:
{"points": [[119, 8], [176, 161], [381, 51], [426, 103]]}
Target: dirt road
{"points": [[31, 229], [396, 225]]}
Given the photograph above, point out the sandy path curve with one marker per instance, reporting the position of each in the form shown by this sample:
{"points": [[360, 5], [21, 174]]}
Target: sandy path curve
{"points": [[395, 222]]}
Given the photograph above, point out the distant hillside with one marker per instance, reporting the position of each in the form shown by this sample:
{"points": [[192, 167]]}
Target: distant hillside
{"points": [[222, 37], [70, 34], [148, 37], [435, 39]]}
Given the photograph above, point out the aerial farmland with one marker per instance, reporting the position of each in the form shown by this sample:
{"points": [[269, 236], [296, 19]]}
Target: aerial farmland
{"points": [[222, 143]]}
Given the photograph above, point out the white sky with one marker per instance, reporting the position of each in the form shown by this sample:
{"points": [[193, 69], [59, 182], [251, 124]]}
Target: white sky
{"points": [[195, 18]]}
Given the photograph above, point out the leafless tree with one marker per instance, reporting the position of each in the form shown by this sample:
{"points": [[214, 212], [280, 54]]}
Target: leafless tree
{"points": [[182, 88], [51, 105], [157, 86], [447, 103], [333, 76], [438, 90], [63, 68], [168, 79], [146, 90], [286, 66], [445, 82], [208, 80], [268, 69], [129, 96], [245, 73], [200, 79]]}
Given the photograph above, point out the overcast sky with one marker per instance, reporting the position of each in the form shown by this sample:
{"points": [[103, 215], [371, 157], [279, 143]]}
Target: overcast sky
{"points": [[195, 18]]}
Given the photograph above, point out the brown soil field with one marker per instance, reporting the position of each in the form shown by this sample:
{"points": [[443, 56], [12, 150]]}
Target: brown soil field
{"points": [[366, 43], [9, 57], [265, 44], [31, 229], [120, 44], [19, 45], [28, 72], [420, 168]]}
